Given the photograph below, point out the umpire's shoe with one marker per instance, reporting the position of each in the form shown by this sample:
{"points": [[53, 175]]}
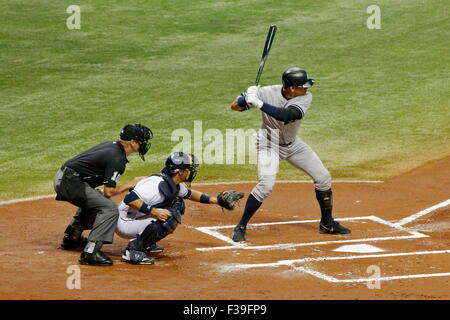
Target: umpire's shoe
{"points": [[93, 256], [136, 257], [73, 239], [333, 228], [239, 233]]}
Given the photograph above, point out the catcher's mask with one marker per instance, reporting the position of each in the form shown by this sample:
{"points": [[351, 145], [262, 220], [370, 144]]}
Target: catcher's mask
{"points": [[181, 160], [139, 133]]}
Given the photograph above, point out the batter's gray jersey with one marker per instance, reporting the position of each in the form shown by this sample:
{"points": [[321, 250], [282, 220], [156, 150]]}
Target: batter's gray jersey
{"points": [[273, 95], [289, 146]]}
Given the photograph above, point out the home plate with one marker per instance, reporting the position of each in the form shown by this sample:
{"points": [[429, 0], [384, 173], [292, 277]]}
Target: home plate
{"points": [[359, 248]]}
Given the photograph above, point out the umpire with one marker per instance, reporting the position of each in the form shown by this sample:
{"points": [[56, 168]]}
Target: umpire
{"points": [[76, 181]]}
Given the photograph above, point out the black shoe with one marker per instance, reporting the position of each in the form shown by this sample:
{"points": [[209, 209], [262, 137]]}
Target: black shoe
{"points": [[136, 257], [239, 233], [154, 248], [333, 228], [97, 258], [73, 239]]}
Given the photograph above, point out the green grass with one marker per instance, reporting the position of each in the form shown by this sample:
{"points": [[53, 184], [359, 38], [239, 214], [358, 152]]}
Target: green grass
{"points": [[381, 100]]}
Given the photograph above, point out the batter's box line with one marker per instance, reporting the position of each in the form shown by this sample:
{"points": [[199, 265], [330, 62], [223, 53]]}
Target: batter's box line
{"points": [[244, 246], [323, 276]]}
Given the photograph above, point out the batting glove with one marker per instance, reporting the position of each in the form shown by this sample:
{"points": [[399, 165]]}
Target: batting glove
{"points": [[253, 89], [253, 101]]}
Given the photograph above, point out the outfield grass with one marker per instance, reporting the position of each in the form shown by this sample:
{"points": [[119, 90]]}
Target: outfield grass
{"points": [[381, 99]]}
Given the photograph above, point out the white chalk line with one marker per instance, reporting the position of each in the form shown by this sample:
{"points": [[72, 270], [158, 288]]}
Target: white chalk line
{"points": [[398, 225], [323, 276], [285, 222], [240, 266], [12, 201], [287, 246], [320, 275], [328, 278], [210, 231], [422, 213]]}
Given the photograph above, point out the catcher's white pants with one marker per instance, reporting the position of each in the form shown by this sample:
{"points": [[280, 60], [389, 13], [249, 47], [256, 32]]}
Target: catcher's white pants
{"points": [[131, 228]]}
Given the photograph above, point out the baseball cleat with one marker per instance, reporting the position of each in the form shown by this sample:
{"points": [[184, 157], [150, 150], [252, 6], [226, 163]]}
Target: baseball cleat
{"points": [[154, 248], [334, 228], [239, 234], [136, 257], [97, 258]]}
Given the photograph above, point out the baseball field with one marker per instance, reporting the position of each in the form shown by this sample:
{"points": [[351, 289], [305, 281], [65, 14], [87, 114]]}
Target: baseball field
{"points": [[379, 121]]}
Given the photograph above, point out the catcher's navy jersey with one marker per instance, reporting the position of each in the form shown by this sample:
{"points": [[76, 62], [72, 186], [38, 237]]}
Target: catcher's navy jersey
{"points": [[101, 164]]}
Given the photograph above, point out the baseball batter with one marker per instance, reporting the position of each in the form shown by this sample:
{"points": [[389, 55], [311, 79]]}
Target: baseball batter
{"points": [[153, 209], [283, 108]]}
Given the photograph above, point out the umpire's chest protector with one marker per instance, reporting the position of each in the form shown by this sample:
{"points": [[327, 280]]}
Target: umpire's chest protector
{"points": [[168, 189]]}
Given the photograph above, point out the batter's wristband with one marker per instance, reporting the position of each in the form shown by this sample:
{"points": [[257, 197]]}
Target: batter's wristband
{"points": [[145, 208], [204, 198], [241, 102]]}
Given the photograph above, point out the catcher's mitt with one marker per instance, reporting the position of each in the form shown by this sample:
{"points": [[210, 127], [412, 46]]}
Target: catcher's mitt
{"points": [[227, 199]]}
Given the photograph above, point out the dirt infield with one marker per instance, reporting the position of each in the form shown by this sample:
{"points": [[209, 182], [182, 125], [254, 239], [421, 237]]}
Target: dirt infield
{"points": [[285, 258]]}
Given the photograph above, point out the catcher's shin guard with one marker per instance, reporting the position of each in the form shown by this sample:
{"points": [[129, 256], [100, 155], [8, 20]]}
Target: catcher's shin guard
{"points": [[156, 231], [136, 244]]}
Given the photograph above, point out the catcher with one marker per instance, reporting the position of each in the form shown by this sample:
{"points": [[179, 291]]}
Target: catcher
{"points": [[153, 209]]}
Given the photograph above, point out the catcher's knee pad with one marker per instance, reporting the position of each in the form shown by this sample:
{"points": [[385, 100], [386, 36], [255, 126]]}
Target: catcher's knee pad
{"points": [[179, 205], [160, 229], [155, 231]]}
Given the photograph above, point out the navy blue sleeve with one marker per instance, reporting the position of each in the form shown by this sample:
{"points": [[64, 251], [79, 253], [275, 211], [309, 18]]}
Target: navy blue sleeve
{"points": [[286, 115], [130, 197]]}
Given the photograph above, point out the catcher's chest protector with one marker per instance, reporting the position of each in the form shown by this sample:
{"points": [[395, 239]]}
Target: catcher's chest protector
{"points": [[168, 189]]}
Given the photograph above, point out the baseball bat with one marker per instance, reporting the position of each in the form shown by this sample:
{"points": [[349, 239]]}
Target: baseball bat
{"points": [[266, 49]]}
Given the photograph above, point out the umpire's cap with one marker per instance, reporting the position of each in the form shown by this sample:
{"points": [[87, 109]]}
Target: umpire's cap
{"points": [[181, 160], [139, 133], [296, 77]]}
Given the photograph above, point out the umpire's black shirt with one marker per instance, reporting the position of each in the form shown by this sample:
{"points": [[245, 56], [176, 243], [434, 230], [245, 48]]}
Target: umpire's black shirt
{"points": [[102, 164]]}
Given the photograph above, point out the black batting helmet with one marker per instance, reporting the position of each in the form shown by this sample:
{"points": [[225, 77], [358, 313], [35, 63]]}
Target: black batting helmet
{"points": [[296, 77], [181, 160], [139, 133]]}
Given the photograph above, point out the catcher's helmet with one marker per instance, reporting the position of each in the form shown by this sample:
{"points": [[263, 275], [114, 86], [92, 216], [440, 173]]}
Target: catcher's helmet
{"points": [[296, 77], [139, 133], [181, 160]]}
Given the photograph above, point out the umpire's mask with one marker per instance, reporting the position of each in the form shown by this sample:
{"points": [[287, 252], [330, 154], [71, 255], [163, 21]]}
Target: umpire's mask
{"points": [[139, 133]]}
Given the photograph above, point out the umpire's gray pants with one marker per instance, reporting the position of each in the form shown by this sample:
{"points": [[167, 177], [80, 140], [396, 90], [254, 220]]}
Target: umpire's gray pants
{"points": [[299, 154], [98, 213]]}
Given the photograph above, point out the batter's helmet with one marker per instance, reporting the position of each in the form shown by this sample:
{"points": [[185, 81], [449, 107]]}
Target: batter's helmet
{"points": [[181, 160], [139, 133], [296, 77]]}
